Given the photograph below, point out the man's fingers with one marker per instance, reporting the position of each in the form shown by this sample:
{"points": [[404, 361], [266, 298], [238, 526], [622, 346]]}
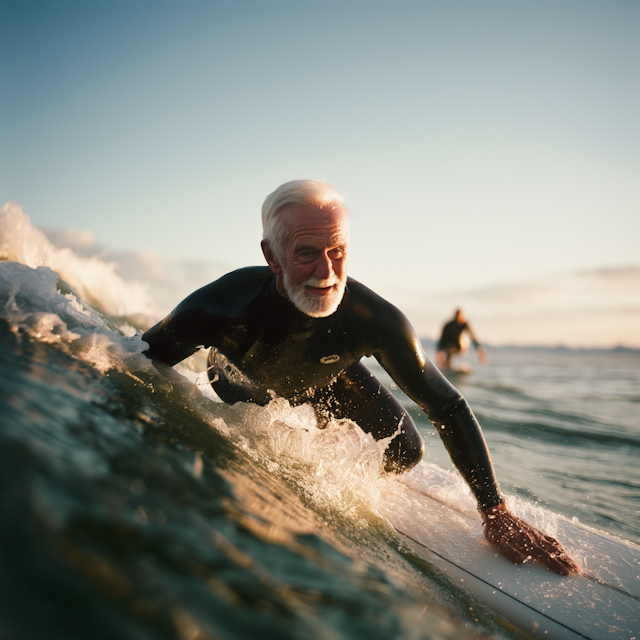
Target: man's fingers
{"points": [[562, 558], [555, 565], [568, 563], [547, 542], [550, 560], [556, 552], [509, 551], [532, 553], [502, 540], [522, 543]]}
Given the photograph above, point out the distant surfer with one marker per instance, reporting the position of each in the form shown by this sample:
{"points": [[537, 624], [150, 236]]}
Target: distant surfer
{"points": [[298, 329], [454, 339]]}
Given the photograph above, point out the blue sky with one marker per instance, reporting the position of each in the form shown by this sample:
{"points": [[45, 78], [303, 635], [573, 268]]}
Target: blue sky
{"points": [[478, 144]]}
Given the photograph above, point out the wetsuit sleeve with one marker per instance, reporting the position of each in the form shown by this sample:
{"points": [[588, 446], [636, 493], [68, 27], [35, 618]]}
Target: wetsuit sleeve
{"points": [[212, 316], [400, 353], [177, 336], [465, 443]]}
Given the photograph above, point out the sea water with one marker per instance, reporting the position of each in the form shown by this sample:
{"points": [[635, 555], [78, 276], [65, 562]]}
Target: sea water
{"points": [[136, 505]]}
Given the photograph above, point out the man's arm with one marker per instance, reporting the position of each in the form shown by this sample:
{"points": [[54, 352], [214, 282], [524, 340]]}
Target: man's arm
{"points": [[208, 316], [199, 320], [463, 439], [400, 353], [513, 537], [174, 338]]}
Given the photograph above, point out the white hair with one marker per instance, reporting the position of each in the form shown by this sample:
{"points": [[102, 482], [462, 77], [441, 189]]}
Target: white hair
{"points": [[302, 192]]}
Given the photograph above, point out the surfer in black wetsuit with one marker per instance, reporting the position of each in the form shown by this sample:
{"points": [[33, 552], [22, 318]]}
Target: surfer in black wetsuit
{"points": [[299, 328], [451, 341]]}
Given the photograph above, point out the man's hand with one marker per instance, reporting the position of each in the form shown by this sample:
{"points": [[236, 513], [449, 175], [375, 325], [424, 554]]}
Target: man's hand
{"points": [[521, 542]]}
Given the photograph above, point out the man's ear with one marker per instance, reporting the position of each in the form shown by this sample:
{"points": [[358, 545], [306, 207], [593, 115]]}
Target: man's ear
{"points": [[270, 257]]}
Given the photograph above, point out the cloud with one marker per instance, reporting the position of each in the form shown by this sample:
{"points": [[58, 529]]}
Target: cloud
{"points": [[133, 284], [82, 243], [166, 281]]}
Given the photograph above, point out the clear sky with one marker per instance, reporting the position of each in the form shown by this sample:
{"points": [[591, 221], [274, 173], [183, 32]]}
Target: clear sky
{"points": [[478, 144]]}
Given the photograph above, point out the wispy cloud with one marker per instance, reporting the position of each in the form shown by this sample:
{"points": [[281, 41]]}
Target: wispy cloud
{"points": [[166, 281]]}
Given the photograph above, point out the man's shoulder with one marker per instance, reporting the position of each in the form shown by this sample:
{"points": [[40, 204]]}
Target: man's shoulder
{"points": [[232, 291], [361, 292], [373, 323], [366, 303], [247, 276]]}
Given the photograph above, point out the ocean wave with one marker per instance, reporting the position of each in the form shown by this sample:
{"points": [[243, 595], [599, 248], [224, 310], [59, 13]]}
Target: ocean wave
{"points": [[94, 279], [560, 428], [182, 515]]}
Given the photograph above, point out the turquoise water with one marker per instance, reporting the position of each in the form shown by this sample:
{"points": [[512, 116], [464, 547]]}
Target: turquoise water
{"points": [[136, 506]]}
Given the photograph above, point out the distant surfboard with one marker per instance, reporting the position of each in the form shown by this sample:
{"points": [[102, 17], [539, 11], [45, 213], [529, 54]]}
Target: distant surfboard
{"points": [[601, 603], [463, 369]]}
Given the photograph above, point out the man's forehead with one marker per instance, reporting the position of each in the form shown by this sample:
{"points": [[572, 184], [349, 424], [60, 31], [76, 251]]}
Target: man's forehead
{"points": [[302, 219]]}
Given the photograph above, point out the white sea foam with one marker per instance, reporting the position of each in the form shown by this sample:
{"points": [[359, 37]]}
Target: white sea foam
{"points": [[94, 279], [32, 304]]}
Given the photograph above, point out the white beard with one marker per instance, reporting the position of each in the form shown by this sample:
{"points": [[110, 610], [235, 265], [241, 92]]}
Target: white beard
{"points": [[310, 304]]}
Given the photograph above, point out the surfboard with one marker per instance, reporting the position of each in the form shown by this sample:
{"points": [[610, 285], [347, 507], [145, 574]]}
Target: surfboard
{"points": [[603, 601], [463, 369]]}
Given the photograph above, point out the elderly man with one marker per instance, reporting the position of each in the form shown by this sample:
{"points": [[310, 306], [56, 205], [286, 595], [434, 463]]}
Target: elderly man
{"points": [[299, 328]]}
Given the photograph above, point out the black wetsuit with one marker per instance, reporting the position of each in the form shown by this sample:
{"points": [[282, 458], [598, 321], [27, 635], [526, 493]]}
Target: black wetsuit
{"points": [[262, 345], [451, 336]]}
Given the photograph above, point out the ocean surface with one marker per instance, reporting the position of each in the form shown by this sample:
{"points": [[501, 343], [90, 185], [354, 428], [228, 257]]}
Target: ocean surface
{"points": [[135, 505]]}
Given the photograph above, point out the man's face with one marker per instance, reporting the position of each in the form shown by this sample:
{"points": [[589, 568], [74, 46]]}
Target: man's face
{"points": [[313, 259]]}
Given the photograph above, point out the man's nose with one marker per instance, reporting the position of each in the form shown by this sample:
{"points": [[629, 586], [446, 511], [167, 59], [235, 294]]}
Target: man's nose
{"points": [[324, 267]]}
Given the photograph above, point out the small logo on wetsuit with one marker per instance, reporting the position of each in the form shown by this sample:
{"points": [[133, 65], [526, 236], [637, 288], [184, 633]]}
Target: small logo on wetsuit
{"points": [[329, 359]]}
